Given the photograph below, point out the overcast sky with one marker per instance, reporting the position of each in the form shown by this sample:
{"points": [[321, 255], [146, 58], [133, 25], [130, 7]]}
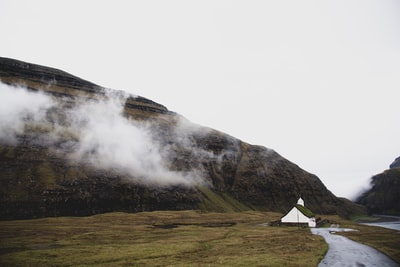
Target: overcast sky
{"points": [[317, 81]]}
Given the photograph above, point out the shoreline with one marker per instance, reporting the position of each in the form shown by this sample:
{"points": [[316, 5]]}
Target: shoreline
{"points": [[378, 218]]}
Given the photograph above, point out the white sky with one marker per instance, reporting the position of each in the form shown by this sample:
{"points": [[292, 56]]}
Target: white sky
{"points": [[317, 81]]}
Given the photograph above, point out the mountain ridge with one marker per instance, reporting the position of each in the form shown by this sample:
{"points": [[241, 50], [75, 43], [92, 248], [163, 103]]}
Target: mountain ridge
{"points": [[39, 180], [383, 196]]}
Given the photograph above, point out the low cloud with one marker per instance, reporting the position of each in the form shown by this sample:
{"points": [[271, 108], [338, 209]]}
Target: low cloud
{"points": [[18, 107], [97, 132]]}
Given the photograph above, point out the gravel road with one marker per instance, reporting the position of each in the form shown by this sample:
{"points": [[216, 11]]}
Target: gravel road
{"points": [[345, 252]]}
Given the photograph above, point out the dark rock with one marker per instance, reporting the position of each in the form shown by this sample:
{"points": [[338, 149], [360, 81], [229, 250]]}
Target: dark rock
{"points": [[395, 163], [384, 195]]}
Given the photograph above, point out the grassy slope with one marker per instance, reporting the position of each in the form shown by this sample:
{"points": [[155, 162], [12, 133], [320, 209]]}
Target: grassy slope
{"points": [[162, 238], [221, 202]]}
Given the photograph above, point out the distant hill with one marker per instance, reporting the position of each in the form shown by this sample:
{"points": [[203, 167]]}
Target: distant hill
{"points": [[395, 163], [384, 195], [71, 147]]}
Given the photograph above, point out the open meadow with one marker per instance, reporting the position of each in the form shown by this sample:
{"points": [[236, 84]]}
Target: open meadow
{"points": [[162, 238]]}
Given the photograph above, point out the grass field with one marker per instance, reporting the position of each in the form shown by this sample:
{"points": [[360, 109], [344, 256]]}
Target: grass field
{"points": [[174, 238], [162, 238]]}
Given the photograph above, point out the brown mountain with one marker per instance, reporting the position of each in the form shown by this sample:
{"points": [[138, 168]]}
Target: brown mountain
{"points": [[384, 195], [68, 151]]}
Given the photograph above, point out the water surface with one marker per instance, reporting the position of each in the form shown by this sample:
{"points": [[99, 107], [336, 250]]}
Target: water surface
{"points": [[390, 222]]}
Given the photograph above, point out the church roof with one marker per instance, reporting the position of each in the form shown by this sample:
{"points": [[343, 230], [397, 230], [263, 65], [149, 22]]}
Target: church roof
{"points": [[305, 211]]}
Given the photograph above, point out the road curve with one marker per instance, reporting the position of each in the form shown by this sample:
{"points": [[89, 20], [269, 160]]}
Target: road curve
{"points": [[345, 252]]}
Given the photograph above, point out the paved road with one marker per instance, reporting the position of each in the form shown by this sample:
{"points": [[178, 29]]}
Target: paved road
{"points": [[345, 252]]}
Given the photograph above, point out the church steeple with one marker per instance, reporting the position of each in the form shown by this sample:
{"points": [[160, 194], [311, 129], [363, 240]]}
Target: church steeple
{"points": [[300, 202]]}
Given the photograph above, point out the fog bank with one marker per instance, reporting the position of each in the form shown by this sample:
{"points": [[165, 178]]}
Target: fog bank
{"points": [[98, 133]]}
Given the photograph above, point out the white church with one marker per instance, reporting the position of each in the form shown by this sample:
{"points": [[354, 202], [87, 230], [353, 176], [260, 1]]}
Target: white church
{"points": [[299, 215]]}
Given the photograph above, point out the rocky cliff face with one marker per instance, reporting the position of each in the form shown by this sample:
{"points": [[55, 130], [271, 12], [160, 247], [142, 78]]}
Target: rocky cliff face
{"points": [[395, 163], [64, 162], [384, 195]]}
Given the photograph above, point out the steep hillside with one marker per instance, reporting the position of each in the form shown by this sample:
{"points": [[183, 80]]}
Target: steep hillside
{"points": [[384, 195], [75, 148], [395, 163]]}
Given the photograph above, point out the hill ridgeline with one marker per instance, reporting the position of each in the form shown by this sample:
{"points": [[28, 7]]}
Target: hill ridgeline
{"points": [[69, 147]]}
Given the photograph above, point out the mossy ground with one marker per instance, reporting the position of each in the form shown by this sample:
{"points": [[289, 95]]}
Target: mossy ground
{"points": [[162, 238]]}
